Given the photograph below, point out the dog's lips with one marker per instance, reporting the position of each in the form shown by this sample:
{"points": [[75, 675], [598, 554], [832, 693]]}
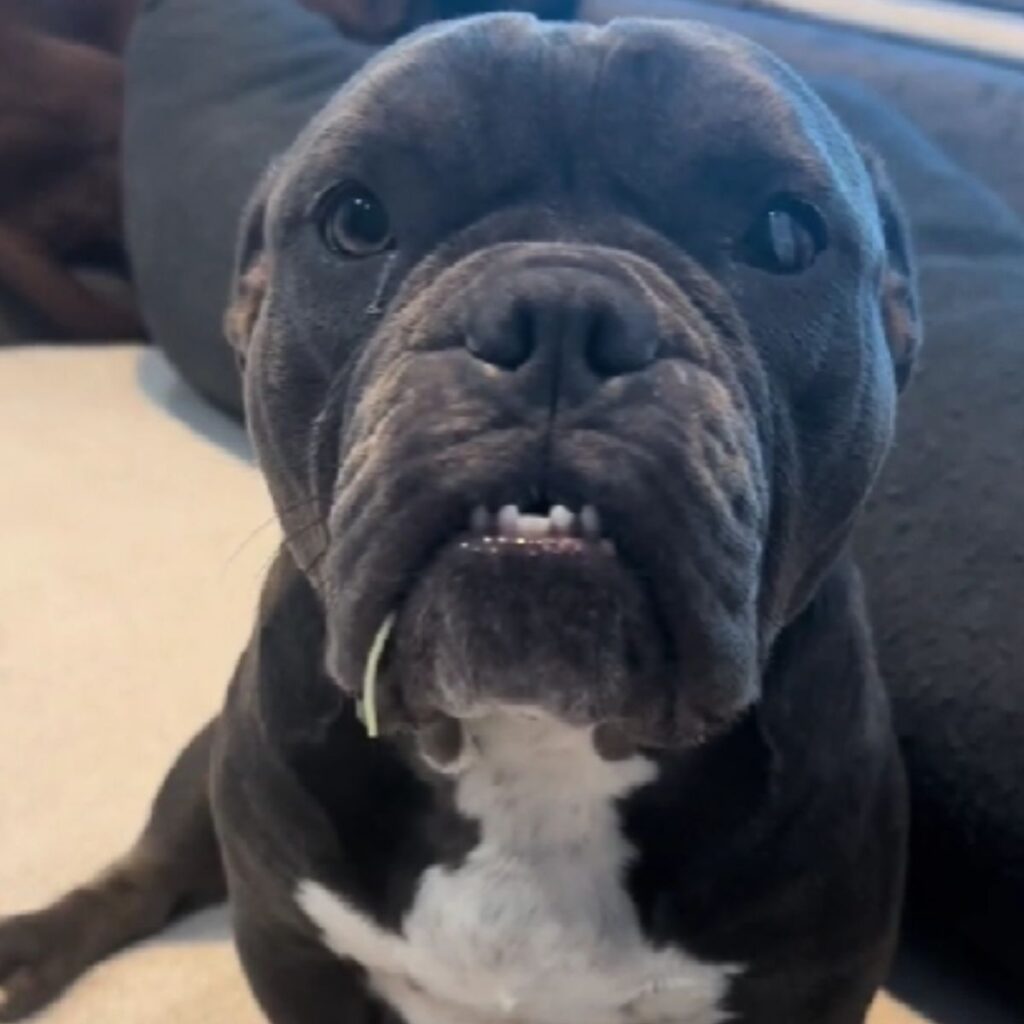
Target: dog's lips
{"points": [[588, 604], [565, 547], [569, 539], [531, 568], [557, 532], [552, 521]]}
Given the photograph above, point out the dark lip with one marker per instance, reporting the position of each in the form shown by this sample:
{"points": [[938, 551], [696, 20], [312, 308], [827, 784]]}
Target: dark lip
{"points": [[535, 547], [528, 500], [441, 526], [563, 547], [559, 551], [445, 521]]}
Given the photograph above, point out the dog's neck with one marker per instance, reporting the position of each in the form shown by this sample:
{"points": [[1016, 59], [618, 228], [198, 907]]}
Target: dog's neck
{"points": [[522, 772], [545, 879]]}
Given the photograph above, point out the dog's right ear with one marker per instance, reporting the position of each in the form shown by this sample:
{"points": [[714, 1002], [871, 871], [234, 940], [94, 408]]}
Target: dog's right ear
{"points": [[901, 310], [251, 274]]}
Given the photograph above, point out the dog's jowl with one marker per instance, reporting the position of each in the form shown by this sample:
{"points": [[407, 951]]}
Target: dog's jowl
{"points": [[570, 356]]}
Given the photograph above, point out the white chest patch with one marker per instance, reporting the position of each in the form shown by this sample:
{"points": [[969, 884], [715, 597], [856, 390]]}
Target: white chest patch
{"points": [[534, 927]]}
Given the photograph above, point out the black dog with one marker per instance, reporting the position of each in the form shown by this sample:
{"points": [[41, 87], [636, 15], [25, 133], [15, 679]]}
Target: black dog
{"points": [[570, 356]]}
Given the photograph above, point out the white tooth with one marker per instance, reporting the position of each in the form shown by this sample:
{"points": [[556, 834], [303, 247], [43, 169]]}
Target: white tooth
{"points": [[590, 522], [508, 521], [480, 521], [532, 527], [561, 521]]}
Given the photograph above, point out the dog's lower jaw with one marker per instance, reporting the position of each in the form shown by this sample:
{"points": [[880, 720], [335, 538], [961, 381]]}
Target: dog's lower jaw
{"points": [[581, 641]]}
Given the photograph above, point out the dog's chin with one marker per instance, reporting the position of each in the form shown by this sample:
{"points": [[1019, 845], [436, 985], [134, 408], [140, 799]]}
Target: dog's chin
{"points": [[560, 627]]}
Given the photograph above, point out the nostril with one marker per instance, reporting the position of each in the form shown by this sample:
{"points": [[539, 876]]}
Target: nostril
{"points": [[594, 325], [617, 344], [524, 329], [506, 342], [503, 351]]}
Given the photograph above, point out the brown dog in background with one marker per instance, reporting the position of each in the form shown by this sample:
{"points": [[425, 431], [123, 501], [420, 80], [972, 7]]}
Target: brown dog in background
{"points": [[60, 125], [60, 122]]}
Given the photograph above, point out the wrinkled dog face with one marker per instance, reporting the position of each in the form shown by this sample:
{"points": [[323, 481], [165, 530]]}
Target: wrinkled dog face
{"points": [[575, 350]]}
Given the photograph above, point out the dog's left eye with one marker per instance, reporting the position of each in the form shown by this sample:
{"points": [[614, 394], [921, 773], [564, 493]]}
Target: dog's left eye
{"points": [[354, 222], [787, 238]]}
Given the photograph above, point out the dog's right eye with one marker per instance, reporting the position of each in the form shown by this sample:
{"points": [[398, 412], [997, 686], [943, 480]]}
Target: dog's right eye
{"points": [[354, 222], [787, 238]]}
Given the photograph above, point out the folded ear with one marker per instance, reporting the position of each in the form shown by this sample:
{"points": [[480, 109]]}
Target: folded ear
{"points": [[249, 281], [373, 20], [901, 315]]}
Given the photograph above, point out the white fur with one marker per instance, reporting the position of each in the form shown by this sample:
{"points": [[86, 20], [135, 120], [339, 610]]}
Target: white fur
{"points": [[535, 926]]}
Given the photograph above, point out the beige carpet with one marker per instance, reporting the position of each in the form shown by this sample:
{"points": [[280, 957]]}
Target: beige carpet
{"points": [[133, 536]]}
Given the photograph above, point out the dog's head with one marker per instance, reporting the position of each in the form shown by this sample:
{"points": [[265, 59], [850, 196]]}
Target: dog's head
{"points": [[575, 350], [383, 20]]}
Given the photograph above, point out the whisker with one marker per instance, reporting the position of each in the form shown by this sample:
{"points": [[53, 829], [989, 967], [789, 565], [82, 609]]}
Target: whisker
{"points": [[266, 524], [296, 535], [245, 542]]}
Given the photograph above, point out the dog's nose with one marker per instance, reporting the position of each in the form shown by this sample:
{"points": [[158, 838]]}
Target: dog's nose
{"points": [[585, 321]]}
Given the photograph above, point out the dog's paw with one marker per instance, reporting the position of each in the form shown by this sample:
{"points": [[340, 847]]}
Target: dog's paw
{"points": [[38, 959]]}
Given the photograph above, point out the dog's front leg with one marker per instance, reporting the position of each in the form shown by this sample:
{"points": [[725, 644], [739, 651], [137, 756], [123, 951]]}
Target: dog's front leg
{"points": [[299, 981], [174, 867]]}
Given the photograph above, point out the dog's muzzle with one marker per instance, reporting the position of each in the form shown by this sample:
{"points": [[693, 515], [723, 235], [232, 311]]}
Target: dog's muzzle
{"points": [[563, 511]]}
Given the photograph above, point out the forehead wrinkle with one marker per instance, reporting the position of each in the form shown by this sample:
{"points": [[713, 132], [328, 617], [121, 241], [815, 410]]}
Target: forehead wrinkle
{"points": [[355, 106], [829, 139], [429, 106], [774, 123], [671, 80], [365, 118]]}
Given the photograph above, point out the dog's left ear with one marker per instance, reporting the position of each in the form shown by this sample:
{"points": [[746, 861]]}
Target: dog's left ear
{"points": [[375, 21], [901, 315], [251, 275]]}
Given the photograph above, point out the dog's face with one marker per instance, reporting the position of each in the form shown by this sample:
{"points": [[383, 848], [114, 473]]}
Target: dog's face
{"points": [[576, 351]]}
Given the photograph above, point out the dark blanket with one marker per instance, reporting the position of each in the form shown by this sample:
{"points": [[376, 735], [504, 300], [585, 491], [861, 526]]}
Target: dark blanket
{"points": [[216, 89], [943, 549]]}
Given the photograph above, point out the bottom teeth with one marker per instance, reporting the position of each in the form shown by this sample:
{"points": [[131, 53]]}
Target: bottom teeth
{"points": [[532, 527], [560, 521], [508, 521], [590, 523]]}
